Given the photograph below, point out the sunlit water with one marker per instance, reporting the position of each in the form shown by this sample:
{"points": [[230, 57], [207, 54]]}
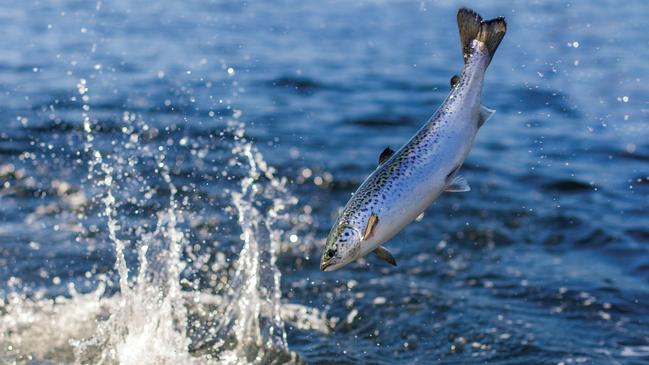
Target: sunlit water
{"points": [[168, 171]]}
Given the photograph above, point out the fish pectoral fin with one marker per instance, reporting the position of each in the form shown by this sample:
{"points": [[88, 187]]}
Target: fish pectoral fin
{"points": [[485, 115], [385, 255], [458, 185], [371, 223], [385, 155]]}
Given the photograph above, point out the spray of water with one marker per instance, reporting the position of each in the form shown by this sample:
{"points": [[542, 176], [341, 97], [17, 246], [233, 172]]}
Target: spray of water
{"points": [[151, 317], [252, 307]]}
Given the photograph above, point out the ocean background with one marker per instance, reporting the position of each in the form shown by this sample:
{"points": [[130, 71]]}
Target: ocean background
{"points": [[169, 171]]}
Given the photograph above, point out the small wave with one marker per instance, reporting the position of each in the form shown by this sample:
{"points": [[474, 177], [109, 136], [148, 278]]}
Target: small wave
{"points": [[596, 238], [635, 351], [639, 234], [301, 85], [382, 122], [568, 186], [634, 156]]}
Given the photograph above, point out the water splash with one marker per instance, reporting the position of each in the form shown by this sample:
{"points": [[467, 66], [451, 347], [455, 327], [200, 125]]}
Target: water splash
{"points": [[155, 315], [252, 311], [147, 325]]}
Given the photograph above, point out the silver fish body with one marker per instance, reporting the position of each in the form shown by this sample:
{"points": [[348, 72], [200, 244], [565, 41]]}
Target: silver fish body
{"points": [[401, 188], [404, 185]]}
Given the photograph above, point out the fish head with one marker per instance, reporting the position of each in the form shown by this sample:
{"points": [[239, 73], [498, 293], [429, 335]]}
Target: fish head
{"points": [[342, 247]]}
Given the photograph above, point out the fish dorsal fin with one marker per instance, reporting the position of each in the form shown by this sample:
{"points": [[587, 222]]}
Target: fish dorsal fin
{"points": [[385, 255], [485, 115], [371, 223], [454, 80], [458, 185], [385, 155]]}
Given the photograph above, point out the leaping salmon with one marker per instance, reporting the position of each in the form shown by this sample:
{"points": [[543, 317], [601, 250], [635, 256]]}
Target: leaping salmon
{"points": [[406, 182]]}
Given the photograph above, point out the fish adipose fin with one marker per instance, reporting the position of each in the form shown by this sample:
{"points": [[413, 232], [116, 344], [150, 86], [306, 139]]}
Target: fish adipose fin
{"points": [[489, 32], [385, 155], [454, 80], [458, 185], [371, 223], [485, 115], [385, 255]]}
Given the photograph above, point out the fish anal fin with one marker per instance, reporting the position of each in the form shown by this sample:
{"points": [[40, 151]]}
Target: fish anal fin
{"points": [[371, 223], [385, 255], [458, 185], [485, 115], [385, 155]]}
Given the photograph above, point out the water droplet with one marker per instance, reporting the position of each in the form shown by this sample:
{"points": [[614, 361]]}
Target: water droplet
{"points": [[630, 148]]}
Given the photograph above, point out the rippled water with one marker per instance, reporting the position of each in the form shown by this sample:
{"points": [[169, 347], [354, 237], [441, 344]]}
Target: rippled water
{"points": [[169, 170]]}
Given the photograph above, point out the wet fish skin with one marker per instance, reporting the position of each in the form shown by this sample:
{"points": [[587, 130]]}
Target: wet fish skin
{"points": [[407, 182]]}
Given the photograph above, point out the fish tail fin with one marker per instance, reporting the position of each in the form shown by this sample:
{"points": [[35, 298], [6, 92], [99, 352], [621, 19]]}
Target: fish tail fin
{"points": [[489, 32]]}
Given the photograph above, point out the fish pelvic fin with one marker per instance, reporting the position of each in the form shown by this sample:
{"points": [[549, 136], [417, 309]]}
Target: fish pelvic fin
{"points": [[385, 255], [489, 32], [458, 185]]}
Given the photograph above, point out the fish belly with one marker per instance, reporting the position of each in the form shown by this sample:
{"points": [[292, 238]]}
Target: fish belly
{"points": [[418, 191]]}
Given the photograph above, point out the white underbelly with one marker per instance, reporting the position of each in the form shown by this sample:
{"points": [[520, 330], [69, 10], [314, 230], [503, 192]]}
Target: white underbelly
{"points": [[398, 213], [416, 192]]}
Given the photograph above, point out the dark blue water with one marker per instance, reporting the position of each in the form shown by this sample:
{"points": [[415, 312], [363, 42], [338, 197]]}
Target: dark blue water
{"points": [[545, 261]]}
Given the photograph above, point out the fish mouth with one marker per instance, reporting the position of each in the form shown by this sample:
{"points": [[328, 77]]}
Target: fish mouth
{"points": [[326, 266]]}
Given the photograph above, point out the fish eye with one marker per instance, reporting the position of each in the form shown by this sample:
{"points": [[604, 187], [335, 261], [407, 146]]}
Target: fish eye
{"points": [[331, 252]]}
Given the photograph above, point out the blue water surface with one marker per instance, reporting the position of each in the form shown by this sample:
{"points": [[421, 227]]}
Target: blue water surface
{"points": [[544, 261]]}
